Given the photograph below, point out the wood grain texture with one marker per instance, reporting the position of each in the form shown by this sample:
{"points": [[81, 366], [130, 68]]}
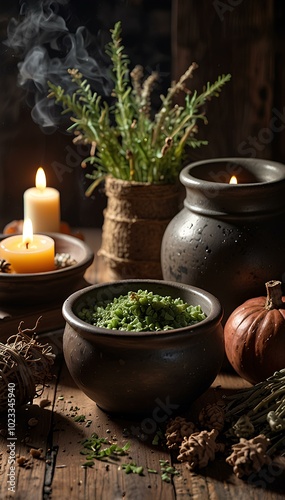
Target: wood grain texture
{"points": [[235, 38], [59, 472]]}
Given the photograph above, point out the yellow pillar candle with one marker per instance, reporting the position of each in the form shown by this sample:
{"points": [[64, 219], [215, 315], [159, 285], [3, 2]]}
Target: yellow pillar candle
{"points": [[28, 253], [42, 206]]}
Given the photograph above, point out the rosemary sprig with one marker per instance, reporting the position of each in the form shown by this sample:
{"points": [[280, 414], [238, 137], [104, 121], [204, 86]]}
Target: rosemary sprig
{"points": [[127, 142]]}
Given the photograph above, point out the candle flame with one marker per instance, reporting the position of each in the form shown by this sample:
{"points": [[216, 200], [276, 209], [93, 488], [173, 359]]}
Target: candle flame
{"points": [[41, 179], [233, 180], [27, 232]]}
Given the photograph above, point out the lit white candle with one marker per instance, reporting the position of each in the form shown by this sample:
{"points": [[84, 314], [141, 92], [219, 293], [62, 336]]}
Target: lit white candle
{"points": [[42, 206]]}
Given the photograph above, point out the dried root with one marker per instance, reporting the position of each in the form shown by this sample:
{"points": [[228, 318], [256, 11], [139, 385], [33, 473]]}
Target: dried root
{"points": [[25, 366]]}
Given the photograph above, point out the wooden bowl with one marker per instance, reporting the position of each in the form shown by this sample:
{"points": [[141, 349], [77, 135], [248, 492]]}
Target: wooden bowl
{"points": [[143, 372], [53, 286]]}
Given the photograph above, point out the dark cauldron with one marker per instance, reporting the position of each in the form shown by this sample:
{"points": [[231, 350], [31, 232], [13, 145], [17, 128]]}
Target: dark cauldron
{"points": [[143, 372]]}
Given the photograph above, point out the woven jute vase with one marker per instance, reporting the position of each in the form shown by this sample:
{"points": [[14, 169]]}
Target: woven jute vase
{"points": [[135, 219]]}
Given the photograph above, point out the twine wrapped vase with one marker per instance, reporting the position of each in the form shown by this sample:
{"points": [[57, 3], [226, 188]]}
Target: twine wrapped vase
{"points": [[135, 219]]}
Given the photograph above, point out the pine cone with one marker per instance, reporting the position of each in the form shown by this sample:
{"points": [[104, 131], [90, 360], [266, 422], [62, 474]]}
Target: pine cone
{"points": [[249, 455], [5, 267], [212, 416], [176, 430], [199, 449]]}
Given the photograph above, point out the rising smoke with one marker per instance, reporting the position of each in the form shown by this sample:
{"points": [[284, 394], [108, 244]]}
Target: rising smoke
{"points": [[46, 49]]}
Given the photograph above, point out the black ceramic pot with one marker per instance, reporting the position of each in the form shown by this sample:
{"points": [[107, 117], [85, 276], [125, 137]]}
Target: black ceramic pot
{"points": [[228, 239], [135, 373]]}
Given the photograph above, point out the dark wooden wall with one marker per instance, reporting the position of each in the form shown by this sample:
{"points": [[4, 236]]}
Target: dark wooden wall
{"points": [[24, 147], [244, 38]]}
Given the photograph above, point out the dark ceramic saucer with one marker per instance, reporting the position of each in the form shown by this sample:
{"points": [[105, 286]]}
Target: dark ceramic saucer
{"points": [[52, 286]]}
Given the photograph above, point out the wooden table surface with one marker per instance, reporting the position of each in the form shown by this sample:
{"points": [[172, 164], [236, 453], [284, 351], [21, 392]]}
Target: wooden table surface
{"points": [[58, 472]]}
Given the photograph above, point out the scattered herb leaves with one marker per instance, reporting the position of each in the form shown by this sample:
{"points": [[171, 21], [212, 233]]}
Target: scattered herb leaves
{"points": [[89, 463], [133, 468], [93, 449], [167, 471], [79, 418], [159, 437]]}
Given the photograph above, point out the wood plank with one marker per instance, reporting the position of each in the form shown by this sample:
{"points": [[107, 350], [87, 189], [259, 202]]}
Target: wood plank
{"points": [[235, 38], [29, 477], [70, 481], [99, 481]]}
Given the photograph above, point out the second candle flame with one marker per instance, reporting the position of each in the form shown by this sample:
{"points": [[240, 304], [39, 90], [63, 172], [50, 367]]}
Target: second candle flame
{"points": [[233, 180], [41, 179]]}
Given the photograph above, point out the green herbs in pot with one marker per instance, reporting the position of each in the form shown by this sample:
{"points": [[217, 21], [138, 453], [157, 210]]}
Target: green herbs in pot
{"points": [[142, 311]]}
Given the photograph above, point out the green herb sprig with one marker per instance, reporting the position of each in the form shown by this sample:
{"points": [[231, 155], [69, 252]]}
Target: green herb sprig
{"points": [[127, 140]]}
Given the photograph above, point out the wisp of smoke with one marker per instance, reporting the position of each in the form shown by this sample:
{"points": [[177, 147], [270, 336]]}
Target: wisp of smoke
{"points": [[47, 49]]}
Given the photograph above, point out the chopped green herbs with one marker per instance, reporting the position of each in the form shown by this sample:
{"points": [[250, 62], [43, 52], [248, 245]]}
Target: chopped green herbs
{"points": [[167, 471], [142, 311], [133, 468], [159, 437], [152, 471], [79, 418], [93, 450]]}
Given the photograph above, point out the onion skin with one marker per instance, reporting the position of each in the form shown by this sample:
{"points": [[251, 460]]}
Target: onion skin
{"points": [[255, 337]]}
